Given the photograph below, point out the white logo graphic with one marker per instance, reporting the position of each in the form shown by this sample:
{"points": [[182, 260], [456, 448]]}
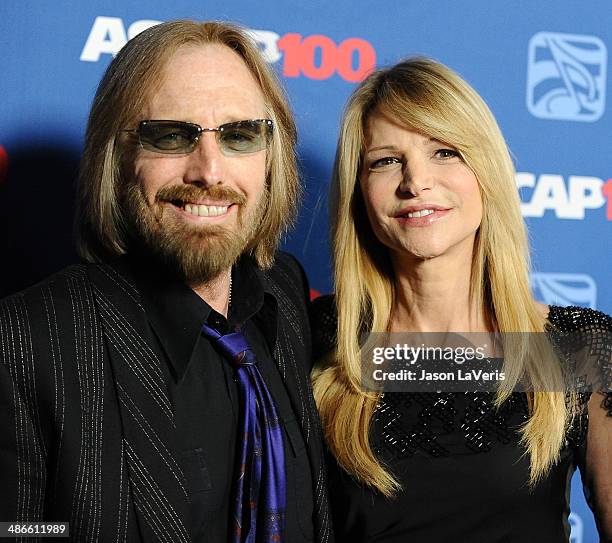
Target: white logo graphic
{"points": [[267, 41], [564, 289], [315, 56], [575, 523], [566, 76], [108, 35], [568, 201]]}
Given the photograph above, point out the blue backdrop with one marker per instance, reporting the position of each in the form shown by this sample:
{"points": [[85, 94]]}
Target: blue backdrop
{"points": [[541, 66]]}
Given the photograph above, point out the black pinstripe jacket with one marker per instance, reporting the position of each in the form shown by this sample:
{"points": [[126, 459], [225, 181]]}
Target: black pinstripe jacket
{"points": [[86, 426]]}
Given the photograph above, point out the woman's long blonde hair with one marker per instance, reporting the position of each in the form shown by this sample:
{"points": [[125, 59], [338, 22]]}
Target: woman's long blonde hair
{"points": [[428, 97]]}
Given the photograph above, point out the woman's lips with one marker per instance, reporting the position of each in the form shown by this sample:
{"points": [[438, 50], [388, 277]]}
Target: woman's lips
{"points": [[422, 215]]}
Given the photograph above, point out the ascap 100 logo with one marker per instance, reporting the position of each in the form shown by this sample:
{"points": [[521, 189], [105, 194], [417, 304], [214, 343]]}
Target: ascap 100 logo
{"points": [[566, 76], [316, 56], [564, 289], [577, 528], [569, 199]]}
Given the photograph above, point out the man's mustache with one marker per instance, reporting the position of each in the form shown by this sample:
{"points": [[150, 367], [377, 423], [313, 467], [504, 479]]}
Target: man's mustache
{"points": [[192, 193]]}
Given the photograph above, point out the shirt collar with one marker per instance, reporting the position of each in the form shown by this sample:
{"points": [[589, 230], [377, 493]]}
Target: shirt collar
{"points": [[176, 313]]}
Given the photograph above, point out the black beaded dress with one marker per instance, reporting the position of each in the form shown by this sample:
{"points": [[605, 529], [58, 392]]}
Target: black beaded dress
{"points": [[463, 473]]}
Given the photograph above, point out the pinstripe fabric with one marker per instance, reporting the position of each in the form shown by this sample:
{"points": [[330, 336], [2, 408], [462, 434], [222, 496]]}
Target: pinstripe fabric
{"points": [[88, 433], [88, 345], [59, 400], [16, 349], [292, 342], [156, 481], [122, 502]]}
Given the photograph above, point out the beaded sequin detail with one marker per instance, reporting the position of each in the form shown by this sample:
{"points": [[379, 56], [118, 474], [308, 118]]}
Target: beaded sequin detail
{"points": [[399, 432], [405, 424]]}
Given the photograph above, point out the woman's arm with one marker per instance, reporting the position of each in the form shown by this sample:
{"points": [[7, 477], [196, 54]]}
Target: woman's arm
{"points": [[596, 468]]}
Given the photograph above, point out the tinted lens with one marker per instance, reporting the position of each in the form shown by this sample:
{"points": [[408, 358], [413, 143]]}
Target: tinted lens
{"points": [[245, 136], [168, 136]]}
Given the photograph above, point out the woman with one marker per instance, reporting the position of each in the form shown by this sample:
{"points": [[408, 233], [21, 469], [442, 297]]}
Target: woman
{"points": [[428, 237]]}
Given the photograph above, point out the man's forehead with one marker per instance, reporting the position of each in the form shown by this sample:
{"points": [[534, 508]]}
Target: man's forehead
{"points": [[210, 65], [213, 74]]}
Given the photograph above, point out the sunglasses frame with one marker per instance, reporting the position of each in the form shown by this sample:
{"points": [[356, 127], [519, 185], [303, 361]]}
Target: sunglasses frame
{"points": [[195, 131]]}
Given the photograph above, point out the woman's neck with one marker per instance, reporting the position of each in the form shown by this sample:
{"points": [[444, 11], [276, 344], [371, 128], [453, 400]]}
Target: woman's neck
{"points": [[434, 296]]}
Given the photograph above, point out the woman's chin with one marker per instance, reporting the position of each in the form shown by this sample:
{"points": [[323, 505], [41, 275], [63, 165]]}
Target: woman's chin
{"points": [[422, 251]]}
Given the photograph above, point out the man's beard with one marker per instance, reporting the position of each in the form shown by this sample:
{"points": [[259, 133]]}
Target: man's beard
{"points": [[197, 253]]}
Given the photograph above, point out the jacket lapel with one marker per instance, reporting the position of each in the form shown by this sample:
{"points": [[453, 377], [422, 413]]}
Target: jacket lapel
{"points": [[292, 352], [157, 482]]}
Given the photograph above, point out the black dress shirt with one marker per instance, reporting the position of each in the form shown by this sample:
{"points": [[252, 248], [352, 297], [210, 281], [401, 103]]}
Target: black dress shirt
{"points": [[205, 398]]}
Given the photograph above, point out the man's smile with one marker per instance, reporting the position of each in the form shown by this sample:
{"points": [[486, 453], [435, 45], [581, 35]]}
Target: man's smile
{"points": [[193, 210]]}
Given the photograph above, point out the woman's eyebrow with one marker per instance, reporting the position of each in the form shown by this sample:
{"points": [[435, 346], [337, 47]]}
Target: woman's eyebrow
{"points": [[381, 147]]}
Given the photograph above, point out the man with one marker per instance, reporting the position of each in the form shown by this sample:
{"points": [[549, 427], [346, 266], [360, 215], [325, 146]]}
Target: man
{"points": [[125, 410]]}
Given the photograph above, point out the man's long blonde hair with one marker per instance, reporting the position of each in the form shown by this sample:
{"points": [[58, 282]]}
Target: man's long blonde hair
{"points": [[426, 96], [128, 84]]}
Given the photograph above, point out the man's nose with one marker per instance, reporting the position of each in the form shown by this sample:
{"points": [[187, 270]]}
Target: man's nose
{"points": [[205, 162]]}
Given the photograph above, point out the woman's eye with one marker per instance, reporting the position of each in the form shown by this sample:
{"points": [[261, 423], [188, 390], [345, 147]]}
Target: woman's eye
{"points": [[385, 163], [447, 153]]}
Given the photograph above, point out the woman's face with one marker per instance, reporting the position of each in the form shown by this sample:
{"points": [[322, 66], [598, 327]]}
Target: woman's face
{"points": [[422, 200]]}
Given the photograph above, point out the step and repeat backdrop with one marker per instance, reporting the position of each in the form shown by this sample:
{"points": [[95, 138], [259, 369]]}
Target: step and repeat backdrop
{"points": [[541, 66]]}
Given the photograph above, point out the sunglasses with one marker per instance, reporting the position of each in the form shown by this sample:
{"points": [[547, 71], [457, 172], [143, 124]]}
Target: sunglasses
{"points": [[178, 137]]}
